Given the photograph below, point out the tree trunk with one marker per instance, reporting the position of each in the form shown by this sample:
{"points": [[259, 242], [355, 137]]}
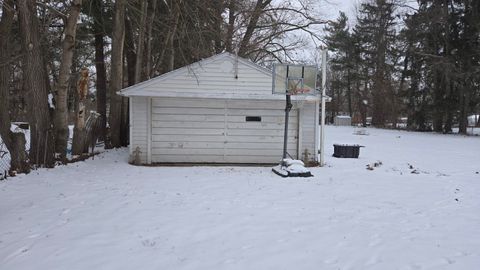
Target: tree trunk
{"points": [[463, 117], [15, 142], [364, 99], [171, 40], [6, 23], [379, 100], [349, 92], [79, 135], [141, 44], [61, 89], [129, 51], [18, 154], [217, 24], [124, 124], [34, 76], [148, 54], [116, 79], [230, 27], [438, 103], [100, 67]]}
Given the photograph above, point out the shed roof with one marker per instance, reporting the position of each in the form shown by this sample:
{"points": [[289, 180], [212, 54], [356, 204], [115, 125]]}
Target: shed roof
{"points": [[222, 76]]}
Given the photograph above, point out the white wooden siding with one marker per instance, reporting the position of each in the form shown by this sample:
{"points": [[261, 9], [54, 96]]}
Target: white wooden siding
{"points": [[215, 131], [138, 126], [220, 74], [197, 114], [216, 80]]}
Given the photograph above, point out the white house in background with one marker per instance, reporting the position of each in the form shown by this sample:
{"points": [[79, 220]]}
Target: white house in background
{"points": [[218, 110]]}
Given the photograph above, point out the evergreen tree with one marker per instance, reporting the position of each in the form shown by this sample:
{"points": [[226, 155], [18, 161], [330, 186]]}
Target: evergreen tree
{"points": [[339, 43], [443, 56], [377, 36], [416, 94]]}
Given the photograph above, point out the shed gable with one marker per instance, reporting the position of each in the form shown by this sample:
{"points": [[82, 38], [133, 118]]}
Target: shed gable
{"points": [[223, 74]]}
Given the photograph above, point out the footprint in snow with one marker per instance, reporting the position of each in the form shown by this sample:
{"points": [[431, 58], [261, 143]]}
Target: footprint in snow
{"points": [[148, 243]]}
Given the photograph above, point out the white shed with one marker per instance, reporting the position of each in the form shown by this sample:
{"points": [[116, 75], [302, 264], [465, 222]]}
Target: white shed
{"points": [[218, 110], [342, 120]]}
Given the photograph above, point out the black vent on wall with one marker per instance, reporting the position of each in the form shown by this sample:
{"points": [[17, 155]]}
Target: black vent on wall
{"points": [[253, 118]]}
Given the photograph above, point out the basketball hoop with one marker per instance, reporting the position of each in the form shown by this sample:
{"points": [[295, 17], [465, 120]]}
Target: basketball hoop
{"points": [[292, 80], [300, 91]]}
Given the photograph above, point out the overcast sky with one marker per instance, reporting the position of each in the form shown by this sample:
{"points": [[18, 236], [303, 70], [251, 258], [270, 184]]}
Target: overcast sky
{"points": [[330, 9]]}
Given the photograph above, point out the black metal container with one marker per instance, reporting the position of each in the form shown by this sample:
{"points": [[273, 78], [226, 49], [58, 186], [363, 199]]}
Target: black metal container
{"points": [[346, 151]]}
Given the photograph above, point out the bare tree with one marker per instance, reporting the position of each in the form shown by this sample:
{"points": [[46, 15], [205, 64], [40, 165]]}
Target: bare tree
{"points": [[98, 28], [260, 30], [152, 8], [252, 24], [34, 75], [141, 43], [15, 142], [116, 79], [61, 88]]}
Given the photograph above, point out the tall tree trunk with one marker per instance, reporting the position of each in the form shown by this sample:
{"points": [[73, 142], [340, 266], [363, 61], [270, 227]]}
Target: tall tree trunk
{"points": [[379, 92], [217, 24], [101, 83], [15, 142], [230, 26], [438, 102], [379, 100], [415, 120], [141, 44], [79, 134], [34, 75], [116, 80], [124, 124], [129, 51], [148, 54], [471, 26], [171, 56], [171, 40], [61, 89], [463, 115], [349, 92]]}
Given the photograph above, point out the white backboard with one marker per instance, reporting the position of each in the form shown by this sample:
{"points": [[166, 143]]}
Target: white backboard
{"points": [[294, 79]]}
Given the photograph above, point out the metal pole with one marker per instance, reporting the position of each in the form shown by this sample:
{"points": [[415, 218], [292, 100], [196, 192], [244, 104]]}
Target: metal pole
{"points": [[288, 107], [322, 121]]}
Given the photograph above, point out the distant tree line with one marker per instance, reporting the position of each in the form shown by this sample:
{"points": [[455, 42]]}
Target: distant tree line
{"points": [[50, 50], [398, 61]]}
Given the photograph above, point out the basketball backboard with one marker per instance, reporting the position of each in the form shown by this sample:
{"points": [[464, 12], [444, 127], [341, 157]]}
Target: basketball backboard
{"points": [[294, 79]]}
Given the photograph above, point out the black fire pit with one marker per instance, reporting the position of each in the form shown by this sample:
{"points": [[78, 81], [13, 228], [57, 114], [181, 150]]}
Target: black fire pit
{"points": [[346, 150]]}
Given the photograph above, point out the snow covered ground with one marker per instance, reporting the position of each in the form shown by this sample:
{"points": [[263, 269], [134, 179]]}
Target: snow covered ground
{"points": [[418, 209]]}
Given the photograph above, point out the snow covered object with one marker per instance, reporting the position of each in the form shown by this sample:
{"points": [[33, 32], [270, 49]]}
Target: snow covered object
{"points": [[292, 168]]}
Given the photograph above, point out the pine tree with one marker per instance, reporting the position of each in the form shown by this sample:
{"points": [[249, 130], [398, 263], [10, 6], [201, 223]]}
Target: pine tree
{"points": [[377, 35], [443, 55], [339, 43], [413, 87]]}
